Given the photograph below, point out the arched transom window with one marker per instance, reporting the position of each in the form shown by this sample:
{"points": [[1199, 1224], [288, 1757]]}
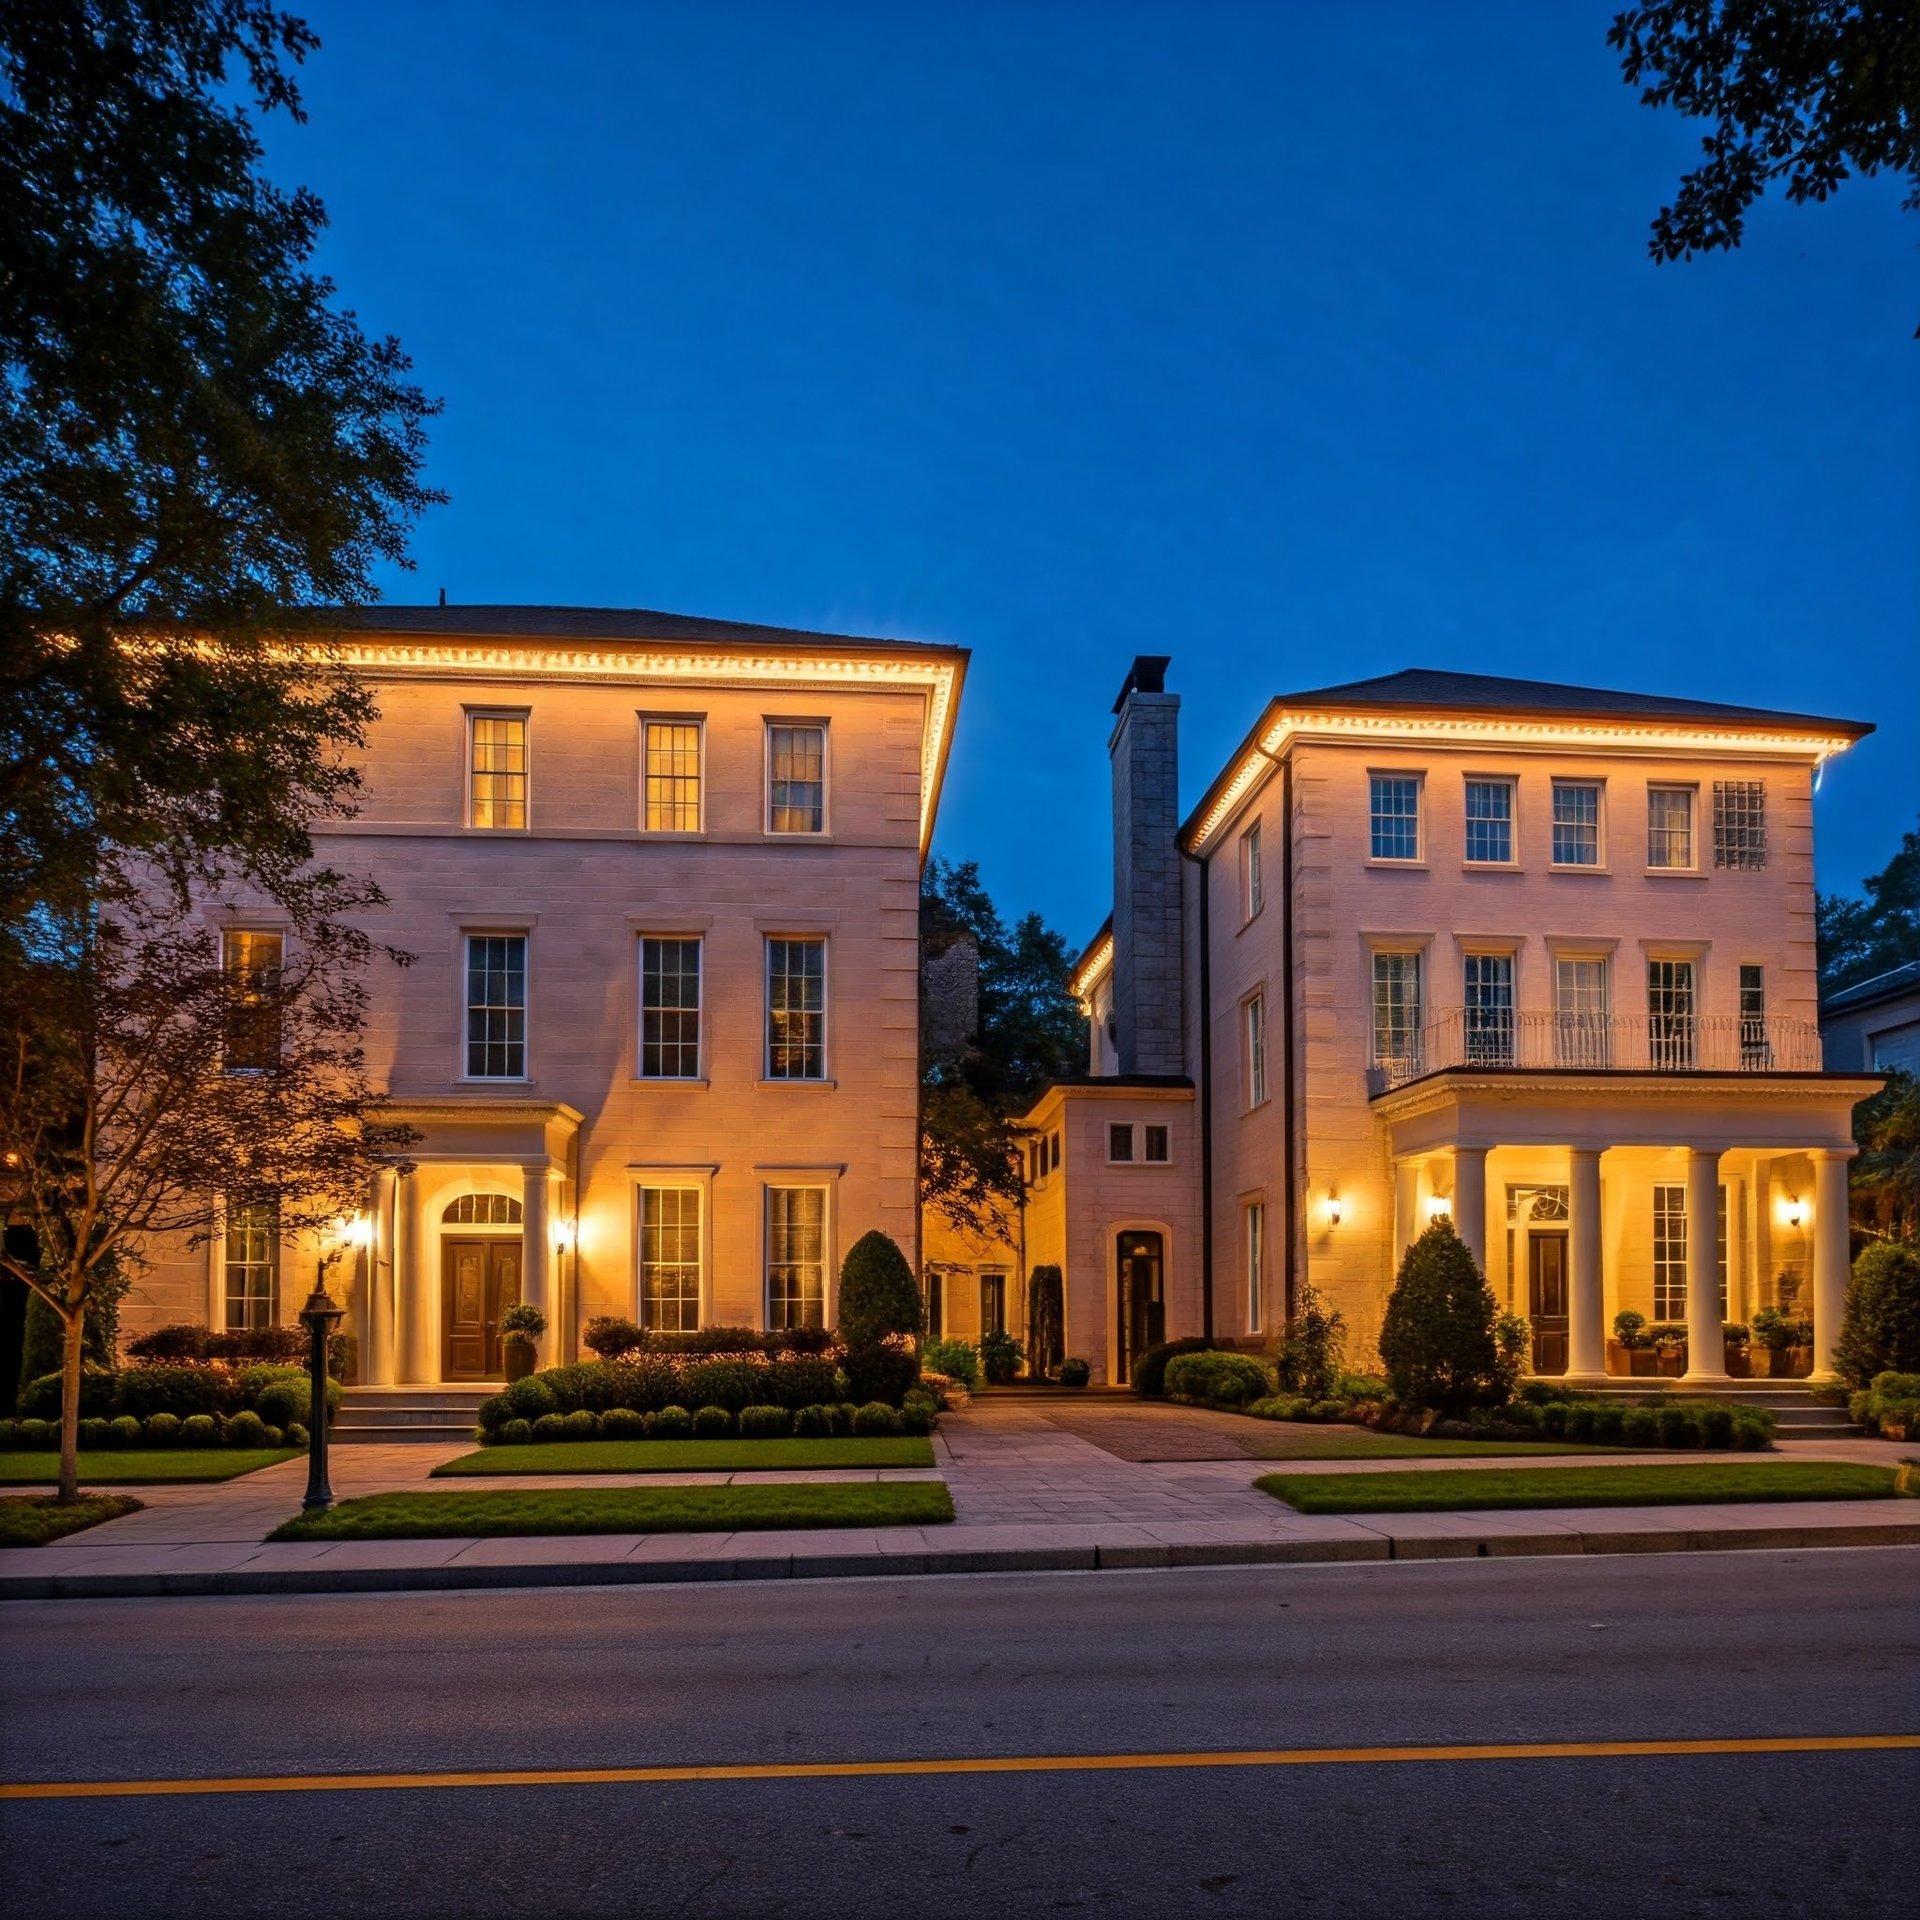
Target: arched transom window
{"points": [[483, 1210]]}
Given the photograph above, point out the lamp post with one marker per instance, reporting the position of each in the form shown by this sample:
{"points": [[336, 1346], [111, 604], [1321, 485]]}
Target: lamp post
{"points": [[322, 1314]]}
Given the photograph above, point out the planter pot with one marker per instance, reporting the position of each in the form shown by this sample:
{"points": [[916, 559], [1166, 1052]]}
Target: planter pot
{"points": [[1739, 1366], [1642, 1362], [1782, 1363], [520, 1360], [1670, 1366]]}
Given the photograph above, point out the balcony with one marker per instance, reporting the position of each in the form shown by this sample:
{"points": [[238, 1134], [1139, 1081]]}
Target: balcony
{"points": [[1601, 1043]]}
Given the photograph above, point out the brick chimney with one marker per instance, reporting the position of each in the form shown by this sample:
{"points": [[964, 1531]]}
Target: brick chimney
{"points": [[1146, 872]]}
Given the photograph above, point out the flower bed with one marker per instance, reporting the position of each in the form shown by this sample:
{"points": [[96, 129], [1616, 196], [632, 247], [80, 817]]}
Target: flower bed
{"points": [[1890, 1407]]}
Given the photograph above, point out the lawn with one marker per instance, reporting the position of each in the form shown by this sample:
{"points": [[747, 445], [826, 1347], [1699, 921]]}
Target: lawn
{"points": [[1302, 1440], [32, 1522], [143, 1466], [548, 1510], [692, 1456], [1695, 1484]]}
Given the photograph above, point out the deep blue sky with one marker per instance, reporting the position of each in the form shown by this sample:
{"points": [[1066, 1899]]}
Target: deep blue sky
{"points": [[1298, 342]]}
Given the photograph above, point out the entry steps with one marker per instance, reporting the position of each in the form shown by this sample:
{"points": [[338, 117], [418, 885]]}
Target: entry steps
{"points": [[1791, 1403], [390, 1414]]}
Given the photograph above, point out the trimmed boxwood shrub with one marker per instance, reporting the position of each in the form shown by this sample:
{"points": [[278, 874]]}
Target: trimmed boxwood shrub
{"points": [[1609, 1424], [40, 1398], [812, 1423], [712, 1423], [93, 1433], [179, 1390], [1437, 1336], [297, 1435], [669, 1423], [281, 1402], [161, 1429], [1553, 1419], [726, 1384], [199, 1430], [1677, 1428], [1580, 1423], [123, 1431], [876, 1417], [1752, 1429], [917, 1414], [765, 1423], [245, 1429], [1716, 1426], [623, 1423], [1232, 1378], [581, 1424], [495, 1411], [1641, 1427], [1150, 1370], [180, 1341], [1880, 1332], [529, 1399], [550, 1426], [1075, 1373], [609, 1335], [516, 1433]]}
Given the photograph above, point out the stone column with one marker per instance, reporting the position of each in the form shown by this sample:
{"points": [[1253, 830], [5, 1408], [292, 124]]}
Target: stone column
{"points": [[1830, 1245], [376, 1329], [1586, 1285], [1706, 1350], [1470, 1201], [1737, 1251], [1406, 1208], [536, 1282], [413, 1285]]}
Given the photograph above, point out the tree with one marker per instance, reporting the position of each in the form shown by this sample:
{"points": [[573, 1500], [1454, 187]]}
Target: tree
{"points": [[880, 1316], [1860, 939], [1883, 1187], [197, 449], [1437, 1339], [1805, 91], [1046, 1320], [1881, 1330], [1308, 1355], [153, 1086]]}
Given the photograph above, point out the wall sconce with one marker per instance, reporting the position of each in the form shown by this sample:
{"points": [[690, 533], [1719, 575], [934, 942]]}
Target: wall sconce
{"points": [[564, 1234], [1333, 1209], [1438, 1205], [358, 1232], [1796, 1211]]}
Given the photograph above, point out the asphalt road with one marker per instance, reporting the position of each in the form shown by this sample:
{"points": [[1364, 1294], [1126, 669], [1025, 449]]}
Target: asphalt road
{"points": [[1674, 1647]]}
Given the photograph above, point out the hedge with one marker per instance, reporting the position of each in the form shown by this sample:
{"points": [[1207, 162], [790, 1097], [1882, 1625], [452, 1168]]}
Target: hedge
{"points": [[1893, 1400], [1231, 1379], [1150, 1370], [244, 1428], [279, 1393]]}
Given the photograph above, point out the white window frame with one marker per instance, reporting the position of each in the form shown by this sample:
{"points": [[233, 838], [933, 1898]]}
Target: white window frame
{"points": [[1418, 781], [1253, 894], [229, 969], [525, 716], [469, 934], [1690, 792], [1253, 1243], [988, 1277], [796, 1183], [1512, 786], [233, 1221], [1483, 1022], [767, 1074], [698, 722], [699, 1074], [649, 1181], [1570, 783], [1583, 1034], [1417, 1029], [825, 828], [1253, 1050]]}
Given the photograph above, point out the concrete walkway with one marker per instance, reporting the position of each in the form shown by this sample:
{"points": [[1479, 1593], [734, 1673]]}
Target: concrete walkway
{"points": [[1029, 1495]]}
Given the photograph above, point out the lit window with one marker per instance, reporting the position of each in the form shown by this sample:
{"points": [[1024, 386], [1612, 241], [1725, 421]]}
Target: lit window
{"points": [[1053, 1151], [1395, 816], [1396, 1012], [1576, 823], [1670, 1252], [796, 1257], [496, 1006], [1489, 1009], [1756, 1051], [993, 1303], [1255, 895], [1670, 827], [670, 1259], [1156, 1143], [796, 1009], [252, 962], [1739, 823], [1490, 822], [252, 1267], [497, 770], [1581, 1011], [1670, 1011], [1256, 1049], [1256, 1266], [1120, 1141], [796, 779], [669, 1009], [672, 775]]}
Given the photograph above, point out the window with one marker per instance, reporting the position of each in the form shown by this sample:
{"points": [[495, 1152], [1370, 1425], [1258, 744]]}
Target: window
{"points": [[252, 1267], [252, 962], [1739, 823], [1256, 1049], [1157, 1144], [796, 778], [1489, 1009], [497, 770], [1582, 1023], [1053, 1151], [1670, 1005], [496, 1006], [1576, 823], [936, 1305], [796, 1257], [1254, 895], [796, 1009], [1755, 1050], [670, 1259], [1396, 816], [1396, 1011], [482, 1210], [1256, 1266], [1670, 827], [671, 775], [1490, 822], [1120, 1141], [993, 1303], [1670, 1252], [669, 1009]]}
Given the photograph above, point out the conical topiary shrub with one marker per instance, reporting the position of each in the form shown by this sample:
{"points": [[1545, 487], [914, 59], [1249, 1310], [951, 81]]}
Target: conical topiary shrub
{"points": [[1881, 1330], [879, 1319], [1437, 1339]]}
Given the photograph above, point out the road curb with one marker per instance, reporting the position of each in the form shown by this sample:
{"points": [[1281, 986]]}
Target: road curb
{"points": [[842, 1566]]}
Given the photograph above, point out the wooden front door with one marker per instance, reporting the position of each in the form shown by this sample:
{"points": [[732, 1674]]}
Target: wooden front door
{"points": [[1142, 1303], [482, 1280], [1547, 1300]]}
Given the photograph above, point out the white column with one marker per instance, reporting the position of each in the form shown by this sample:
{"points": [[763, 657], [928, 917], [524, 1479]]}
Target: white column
{"points": [[1706, 1350], [1737, 1251], [376, 1327], [413, 1285], [1470, 1201], [1830, 1247], [1586, 1285], [536, 1285], [1406, 1208]]}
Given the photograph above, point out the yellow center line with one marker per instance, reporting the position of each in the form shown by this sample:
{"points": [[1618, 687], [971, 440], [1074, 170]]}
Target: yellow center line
{"points": [[999, 1763]]}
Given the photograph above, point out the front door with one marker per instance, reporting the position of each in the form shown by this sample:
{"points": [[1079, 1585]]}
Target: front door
{"points": [[1547, 1300], [1142, 1303], [482, 1280]]}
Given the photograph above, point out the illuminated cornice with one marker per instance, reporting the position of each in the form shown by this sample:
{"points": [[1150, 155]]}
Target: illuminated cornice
{"points": [[1097, 959]]}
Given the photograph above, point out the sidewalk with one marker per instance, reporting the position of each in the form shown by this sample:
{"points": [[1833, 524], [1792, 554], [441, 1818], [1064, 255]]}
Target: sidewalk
{"points": [[1029, 1496]]}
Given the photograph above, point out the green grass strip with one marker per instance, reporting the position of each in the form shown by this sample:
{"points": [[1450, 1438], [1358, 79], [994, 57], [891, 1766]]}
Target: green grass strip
{"points": [[691, 1456], [142, 1466], [33, 1522], [1695, 1484], [1279, 1440], [506, 1512]]}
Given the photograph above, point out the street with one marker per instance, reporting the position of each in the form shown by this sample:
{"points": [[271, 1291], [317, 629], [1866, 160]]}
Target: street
{"points": [[1719, 1647]]}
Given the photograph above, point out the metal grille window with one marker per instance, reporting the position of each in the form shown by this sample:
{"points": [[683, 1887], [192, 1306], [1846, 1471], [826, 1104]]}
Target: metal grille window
{"points": [[1670, 1014], [1669, 1253], [1576, 824], [497, 770], [1490, 822], [1739, 823], [1256, 1049], [1581, 1013], [1250, 861], [672, 776], [1670, 827], [796, 779], [670, 1259], [1489, 1009], [993, 1303], [1396, 1011], [1157, 1143], [1755, 1049], [796, 1257], [497, 1006], [669, 1009], [252, 962], [1395, 812], [1256, 1266], [796, 1009], [1120, 1141], [252, 1267]]}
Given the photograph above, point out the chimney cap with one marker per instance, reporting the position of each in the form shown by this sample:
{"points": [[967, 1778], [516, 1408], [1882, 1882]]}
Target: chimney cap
{"points": [[1148, 674]]}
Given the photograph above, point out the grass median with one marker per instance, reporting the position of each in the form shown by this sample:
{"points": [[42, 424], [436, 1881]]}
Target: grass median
{"points": [[143, 1466], [691, 1456], [29, 1522], [503, 1513], [1694, 1484]]}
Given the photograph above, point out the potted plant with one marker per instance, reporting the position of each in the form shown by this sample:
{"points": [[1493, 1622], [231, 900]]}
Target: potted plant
{"points": [[1000, 1358], [1736, 1339], [520, 1326], [1634, 1342], [1074, 1373], [1669, 1349], [1778, 1352]]}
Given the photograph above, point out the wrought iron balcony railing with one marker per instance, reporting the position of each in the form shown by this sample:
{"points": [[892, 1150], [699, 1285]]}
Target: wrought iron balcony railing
{"points": [[1600, 1043]]}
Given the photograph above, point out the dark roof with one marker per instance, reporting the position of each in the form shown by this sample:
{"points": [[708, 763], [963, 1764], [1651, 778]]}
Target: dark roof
{"points": [[1086, 952], [600, 623], [1485, 692], [1176, 1081], [1883, 986]]}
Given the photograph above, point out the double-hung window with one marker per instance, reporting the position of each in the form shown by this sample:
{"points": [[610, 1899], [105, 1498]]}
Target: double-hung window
{"points": [[669, 1008], [670, 1239], [1583, 1028], [1397, 1013], [1671, 1029], [1739, 823], [1670, 1252], [796, 1009], [670, 775], [1489, 1009], [496, 1006], [1756, 1050], [497, 770], [1253, 881], [1256, 1045], [1256, 1215], [1670, 829], [993, 1303], [251, 1268], [796, 777], [796, 1257], [1489, 823], [1394, 816], [252, 964], [1576, 823]]}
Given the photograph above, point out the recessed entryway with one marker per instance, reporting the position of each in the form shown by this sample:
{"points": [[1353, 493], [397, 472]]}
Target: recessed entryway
{"points": [[1140, 1264]]}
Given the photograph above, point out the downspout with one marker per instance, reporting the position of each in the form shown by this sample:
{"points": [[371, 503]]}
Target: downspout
{"points": [[1200, 863], [1289, 1150]]}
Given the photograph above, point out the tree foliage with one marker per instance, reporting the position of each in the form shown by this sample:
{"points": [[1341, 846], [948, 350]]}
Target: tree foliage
{"points": [[1881, 1330], [1883, 1186], [1437, 1339], [1861, 938], [1046, 1320]]}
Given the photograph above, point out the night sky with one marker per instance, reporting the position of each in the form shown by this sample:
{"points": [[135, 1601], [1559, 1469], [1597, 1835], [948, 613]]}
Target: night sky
{"points": [[1298, 342]]}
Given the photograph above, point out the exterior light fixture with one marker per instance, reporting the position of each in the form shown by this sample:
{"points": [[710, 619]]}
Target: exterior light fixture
{"points": [[1795, 1211], [322, 1314], [565, 1232], [1333, 1209], [358, 1231], [1439, 1205]]}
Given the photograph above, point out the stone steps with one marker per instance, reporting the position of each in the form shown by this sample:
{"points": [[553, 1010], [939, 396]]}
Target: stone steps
{"points": [[389, 1414], [1798, 1415]]}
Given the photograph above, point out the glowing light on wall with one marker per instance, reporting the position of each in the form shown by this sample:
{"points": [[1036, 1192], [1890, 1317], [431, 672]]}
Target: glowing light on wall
{"points": [[1096, 963]]}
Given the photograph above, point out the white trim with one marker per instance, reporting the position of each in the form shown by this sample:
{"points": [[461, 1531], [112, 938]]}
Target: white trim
{"points": [[645, 717], [768, 722], [470, 712]]}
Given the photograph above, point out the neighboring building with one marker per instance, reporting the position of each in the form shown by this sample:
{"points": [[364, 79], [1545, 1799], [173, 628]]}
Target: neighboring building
{"points": [[1874, 1027], [660, 877], [1539, 956]]}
